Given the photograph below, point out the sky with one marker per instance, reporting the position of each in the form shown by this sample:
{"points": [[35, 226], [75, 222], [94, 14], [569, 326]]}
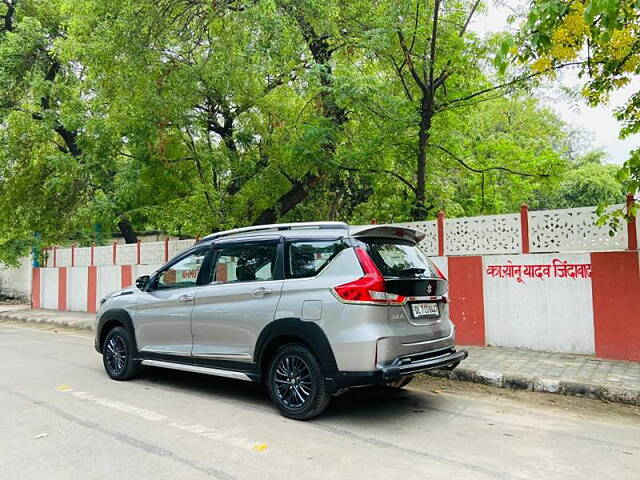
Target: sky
{"points": [[599, 122]]}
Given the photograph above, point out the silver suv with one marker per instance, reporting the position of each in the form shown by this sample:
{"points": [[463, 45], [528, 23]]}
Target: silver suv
{"points": [[311, 309]]}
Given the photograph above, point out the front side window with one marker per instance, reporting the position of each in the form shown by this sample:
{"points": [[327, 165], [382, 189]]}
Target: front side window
{"points": [[397, 258], [307, 258], [245, 263], [183, 273]]}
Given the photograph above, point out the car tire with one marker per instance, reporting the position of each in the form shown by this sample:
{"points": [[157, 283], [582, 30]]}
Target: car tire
{"points": [[296, 383], [117, 354]]}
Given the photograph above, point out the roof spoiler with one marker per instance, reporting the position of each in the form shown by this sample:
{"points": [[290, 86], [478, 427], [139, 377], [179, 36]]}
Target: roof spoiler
{"points": [[390, 231]]}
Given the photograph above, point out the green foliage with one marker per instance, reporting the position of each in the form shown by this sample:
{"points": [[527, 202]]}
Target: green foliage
{"points": [[602, 37], [189, 116]]}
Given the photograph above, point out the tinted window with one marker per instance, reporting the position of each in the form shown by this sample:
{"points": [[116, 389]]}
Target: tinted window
{"points": [[307, 258], [397, 258], [184, 273], [245, 263]]}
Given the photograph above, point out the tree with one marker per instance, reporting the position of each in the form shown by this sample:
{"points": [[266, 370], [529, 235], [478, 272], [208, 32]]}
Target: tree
{"points": [[189, 116], [586, 182], [602, 36], [48, 169]]}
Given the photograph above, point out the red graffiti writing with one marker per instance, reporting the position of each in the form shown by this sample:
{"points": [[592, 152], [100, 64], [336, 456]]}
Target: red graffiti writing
{"points": [[558, 269]]}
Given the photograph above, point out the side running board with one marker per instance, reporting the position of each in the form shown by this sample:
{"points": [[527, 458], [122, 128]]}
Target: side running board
{"points": [[218, 372]]}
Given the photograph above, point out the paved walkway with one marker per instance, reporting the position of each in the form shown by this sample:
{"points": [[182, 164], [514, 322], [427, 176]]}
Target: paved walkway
{"points": [[567, 374], [22, 313], [497, 366]]}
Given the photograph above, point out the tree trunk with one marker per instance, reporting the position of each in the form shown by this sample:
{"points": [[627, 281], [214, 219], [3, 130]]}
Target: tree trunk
{"points": [[321, 52], [419, 210], [127, 231], [296, 194]]}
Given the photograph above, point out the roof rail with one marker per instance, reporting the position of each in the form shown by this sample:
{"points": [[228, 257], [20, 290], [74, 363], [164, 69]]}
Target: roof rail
{"points": [[278, 227]]}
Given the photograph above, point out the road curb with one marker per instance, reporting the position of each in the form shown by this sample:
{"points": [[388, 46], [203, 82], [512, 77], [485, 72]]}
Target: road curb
{"points": [[28, 317], [517, 381]]}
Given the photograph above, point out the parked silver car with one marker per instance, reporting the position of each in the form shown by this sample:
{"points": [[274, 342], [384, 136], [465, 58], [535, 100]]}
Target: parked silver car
{"points": [[311, 309]]}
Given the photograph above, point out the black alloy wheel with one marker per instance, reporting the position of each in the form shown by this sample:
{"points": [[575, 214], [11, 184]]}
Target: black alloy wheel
{"points": [[293, 381], [296, 383], [117, 354]]}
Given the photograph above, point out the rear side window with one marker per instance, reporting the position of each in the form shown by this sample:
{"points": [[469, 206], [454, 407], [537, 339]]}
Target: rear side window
{"points": [[245, 263], [397, 258], [307, 258]]}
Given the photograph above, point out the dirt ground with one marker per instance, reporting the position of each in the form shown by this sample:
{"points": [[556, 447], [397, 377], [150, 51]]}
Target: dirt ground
{"points": [[581, 407]]}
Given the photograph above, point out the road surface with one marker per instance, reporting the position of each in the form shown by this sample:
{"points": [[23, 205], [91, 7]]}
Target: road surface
{"points": [[62, 418]]}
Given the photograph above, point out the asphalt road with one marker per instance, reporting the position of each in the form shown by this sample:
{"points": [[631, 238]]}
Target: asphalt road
{"points": [[62, 418]]}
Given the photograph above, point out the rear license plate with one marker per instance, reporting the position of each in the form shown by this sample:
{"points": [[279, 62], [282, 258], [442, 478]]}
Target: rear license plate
{"points": [[425, 310]]}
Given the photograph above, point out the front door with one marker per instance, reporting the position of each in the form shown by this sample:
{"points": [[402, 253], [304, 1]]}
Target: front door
{"points": [[163, 313], [239, 300]]}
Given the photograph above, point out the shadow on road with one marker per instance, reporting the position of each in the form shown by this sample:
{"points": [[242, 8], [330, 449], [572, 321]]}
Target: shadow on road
{"points": [[379, 402]]}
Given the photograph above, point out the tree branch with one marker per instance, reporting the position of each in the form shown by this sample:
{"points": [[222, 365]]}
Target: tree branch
{"points": [[8, 17], [409, 61], [488, 169], [468, 20], [510, 83], [381, 170]]}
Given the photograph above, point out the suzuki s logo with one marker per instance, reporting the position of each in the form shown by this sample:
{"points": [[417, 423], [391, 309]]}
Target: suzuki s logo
{"points": [[429, 289]]}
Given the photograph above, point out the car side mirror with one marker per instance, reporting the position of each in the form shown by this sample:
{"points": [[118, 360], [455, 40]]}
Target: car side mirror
{"points": [[143, 282]]}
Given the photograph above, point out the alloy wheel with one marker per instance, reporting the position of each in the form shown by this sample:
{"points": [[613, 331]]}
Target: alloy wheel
{"points": [[116, 354], [293, 382]]}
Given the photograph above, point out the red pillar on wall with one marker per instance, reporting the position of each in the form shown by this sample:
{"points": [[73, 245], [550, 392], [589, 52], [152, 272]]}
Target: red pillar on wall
{"points": [[524, 227], [615, 283], [115, 252], [55, 249], [166, 249], [138, 245], [73, 255], [93, 247], [631, 227], [440, 217], [467, 300], [92, 289], [62, 288], [126, 277], [35, 288]]}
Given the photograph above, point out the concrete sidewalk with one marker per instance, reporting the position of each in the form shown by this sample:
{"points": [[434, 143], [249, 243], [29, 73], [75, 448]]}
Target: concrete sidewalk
{"points": [[560, 373], [566, 374], [23, 313]]}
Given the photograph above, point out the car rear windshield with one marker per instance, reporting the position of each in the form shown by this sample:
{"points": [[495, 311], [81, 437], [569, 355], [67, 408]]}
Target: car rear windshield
{"points": [[398, 258]]}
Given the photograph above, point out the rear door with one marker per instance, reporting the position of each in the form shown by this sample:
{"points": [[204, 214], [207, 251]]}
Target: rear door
{"points": [[408, 272], [238, 301]]}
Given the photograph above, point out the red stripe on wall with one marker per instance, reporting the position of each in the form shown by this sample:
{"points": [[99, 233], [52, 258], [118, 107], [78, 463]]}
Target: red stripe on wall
{"points": [[467, 301], [125, 276], [62, 288], [35, 288], [615, 283], [92, 288]]}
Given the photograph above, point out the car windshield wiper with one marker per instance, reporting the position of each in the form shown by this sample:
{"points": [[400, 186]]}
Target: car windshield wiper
{"points": [[414, 271]]}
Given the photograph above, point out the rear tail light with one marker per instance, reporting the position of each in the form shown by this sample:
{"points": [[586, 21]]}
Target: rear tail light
{"points": [[369, 288]]}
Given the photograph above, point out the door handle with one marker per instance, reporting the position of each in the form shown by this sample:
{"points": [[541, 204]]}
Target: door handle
{"points": [[261, 292], [184, 299]]}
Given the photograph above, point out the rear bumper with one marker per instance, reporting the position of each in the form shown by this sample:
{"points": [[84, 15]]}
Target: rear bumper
{"points": [[400, 367], [403, 366]]}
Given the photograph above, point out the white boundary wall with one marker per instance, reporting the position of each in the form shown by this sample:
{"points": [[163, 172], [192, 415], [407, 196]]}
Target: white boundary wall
{"points": [[16, 281], [551, 313]]}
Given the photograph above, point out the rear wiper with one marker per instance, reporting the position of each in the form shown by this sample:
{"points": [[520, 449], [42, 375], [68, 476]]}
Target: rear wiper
{"points": [[412, 271]]}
